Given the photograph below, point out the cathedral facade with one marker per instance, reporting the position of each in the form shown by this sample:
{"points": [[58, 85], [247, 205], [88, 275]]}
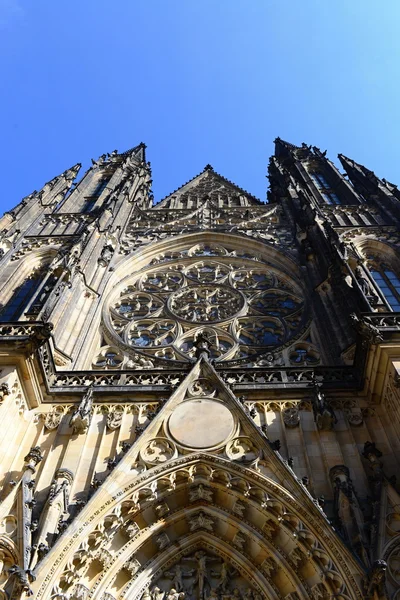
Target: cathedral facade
{"points": [[201, 397]]}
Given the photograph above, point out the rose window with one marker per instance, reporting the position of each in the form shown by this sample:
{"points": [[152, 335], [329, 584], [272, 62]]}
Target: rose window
{"points": [[247, 308], [204, 304]]}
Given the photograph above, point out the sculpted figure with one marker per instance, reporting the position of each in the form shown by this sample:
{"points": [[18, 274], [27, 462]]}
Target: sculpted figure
{"points": [[203, 345], [323, 413], [157, 594], [366, 287], [172, 594], [80, 420]]}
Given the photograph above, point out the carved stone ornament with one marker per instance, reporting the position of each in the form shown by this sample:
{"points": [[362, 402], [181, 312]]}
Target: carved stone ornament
{"points": [[239, 508], [201, 576], [114, 419], [132, 565], [319, 592], [157, 451], [296, 557], [202, 387], [240, 540], [21, 580], [80, 592], [291, 416], [269, 528], [269, 566], [374, 582], [201, 521], [4, 391], [161, 509], [200, 493], [242, 449], [33, 458], [52, 420], [131, 528], [206, 303], [355, 418], [162, 541], [81, 418]]}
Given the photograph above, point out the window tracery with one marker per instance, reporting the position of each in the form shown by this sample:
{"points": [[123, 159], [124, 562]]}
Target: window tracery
{"points": [[384, 268], [22, 295], [389, 284], [247, 307]]}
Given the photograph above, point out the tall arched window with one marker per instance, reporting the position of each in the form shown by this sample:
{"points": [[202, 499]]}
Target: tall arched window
{"points": [[389, 284], [21, 296], [324, 188]]}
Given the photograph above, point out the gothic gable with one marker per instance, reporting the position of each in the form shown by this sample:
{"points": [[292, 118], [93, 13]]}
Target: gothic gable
{"points": [[211, 185]]}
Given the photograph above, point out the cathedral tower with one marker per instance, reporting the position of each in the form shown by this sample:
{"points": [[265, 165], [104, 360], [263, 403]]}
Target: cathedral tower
{"points": [[201, 396]]}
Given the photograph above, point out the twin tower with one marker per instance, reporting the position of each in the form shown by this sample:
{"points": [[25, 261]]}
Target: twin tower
{"points": [[201, 397]]}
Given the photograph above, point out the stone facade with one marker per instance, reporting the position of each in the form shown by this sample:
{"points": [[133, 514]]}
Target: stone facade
{"points": [[200, 397]]}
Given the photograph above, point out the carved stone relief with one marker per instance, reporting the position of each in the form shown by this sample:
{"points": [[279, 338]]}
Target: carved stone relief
{"points": [[291, 416], [201, 521], [201, 576], [242, 449], [114, 419], [202, 387], [200, 492], [157, 451], [52, 419]]}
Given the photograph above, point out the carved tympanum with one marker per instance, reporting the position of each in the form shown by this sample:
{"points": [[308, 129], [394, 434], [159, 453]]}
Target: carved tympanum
{"points": [[201, 576]]}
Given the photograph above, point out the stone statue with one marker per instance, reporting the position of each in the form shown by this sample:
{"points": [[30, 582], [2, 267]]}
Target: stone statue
{"points": [[202, 578], [375, 580], [157, 594], [365, 285], [203, 346], [106, 255], [366, 329], [81, 418], [22, 580], [324, 415]]}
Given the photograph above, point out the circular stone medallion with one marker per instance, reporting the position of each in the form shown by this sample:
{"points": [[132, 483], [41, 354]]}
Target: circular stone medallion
{"points": [[206, 304], [201, 423]]}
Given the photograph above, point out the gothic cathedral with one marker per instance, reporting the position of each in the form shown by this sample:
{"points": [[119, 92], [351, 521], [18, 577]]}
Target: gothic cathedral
{"points": [[200, 397]]}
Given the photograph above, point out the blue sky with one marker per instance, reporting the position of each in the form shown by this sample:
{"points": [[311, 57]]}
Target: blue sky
{"points": [[199, 81]]}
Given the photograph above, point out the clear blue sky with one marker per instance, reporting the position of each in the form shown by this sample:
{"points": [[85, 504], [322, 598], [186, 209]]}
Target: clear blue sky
{"points": [[199, 81]]}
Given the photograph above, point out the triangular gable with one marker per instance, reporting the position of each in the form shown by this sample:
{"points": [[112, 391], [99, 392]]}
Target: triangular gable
{"points": [[210, 184]]}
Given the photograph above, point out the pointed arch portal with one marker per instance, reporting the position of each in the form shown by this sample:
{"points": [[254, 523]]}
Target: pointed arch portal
{"points": [[225, 522]]}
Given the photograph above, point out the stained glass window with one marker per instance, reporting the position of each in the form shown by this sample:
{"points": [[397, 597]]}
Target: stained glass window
{"points": [[389, 285]]}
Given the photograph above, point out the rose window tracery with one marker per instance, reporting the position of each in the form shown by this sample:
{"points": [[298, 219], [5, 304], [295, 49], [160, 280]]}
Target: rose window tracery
{"points": [[246, 307], [204, 304]]}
